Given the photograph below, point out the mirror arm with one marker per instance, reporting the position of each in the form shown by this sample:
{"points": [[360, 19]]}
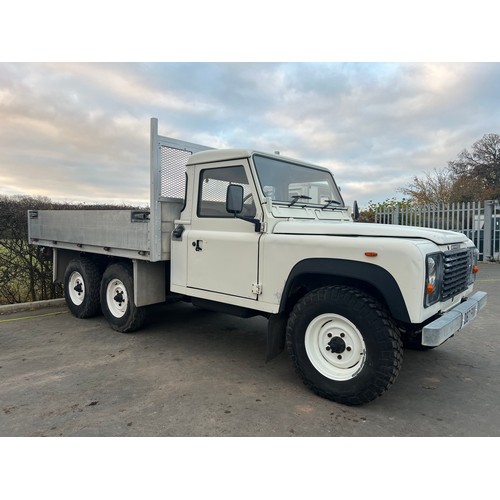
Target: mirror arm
{"points": [[254, 221]]}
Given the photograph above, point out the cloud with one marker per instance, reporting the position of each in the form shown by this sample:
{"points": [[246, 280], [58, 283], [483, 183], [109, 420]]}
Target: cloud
{"points": [[81, 131]]}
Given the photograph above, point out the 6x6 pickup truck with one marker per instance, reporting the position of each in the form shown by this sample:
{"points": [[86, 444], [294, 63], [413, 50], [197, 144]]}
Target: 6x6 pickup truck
{"points": [[250, 233]]}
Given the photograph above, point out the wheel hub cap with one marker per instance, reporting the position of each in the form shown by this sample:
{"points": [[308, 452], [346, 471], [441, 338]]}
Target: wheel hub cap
{"points": [[76, 288], [335, 346], [117, 298]]}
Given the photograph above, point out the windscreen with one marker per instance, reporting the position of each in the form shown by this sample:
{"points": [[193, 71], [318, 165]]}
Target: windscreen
{"points": [[292, 183]]}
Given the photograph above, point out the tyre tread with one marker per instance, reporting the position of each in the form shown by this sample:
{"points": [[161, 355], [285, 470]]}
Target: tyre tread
{"points": [[92, 279], [391, 357], [136, 316]]}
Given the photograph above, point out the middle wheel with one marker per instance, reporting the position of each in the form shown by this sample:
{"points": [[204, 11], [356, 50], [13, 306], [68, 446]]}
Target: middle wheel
{"points": [[117, 299]]}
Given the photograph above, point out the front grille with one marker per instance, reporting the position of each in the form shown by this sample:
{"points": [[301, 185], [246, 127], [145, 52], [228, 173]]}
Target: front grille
{"points": [[457, 265]]}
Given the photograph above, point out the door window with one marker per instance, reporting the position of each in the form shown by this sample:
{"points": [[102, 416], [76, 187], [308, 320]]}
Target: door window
{"points": [[213, 189]]}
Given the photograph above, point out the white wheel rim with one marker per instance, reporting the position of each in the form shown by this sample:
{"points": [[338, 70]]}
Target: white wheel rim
{"points": [[76, 288], [116, 298], [335, 347]]}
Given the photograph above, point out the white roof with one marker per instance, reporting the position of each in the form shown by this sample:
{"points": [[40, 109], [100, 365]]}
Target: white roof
{"points": [[212, 155]]}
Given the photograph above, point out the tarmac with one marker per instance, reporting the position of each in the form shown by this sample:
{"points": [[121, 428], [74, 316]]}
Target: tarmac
{"points": [[191, 372]]}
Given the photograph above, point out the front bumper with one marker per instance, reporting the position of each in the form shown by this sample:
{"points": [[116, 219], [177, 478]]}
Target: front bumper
{"points": [[452, 321]]}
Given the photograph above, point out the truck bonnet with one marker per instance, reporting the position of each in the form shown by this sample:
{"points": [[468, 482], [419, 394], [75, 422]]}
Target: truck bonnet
{"points": [[329, 228]]}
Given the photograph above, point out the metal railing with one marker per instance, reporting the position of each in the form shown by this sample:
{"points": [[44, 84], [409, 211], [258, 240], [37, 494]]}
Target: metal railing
{"points": [[479, 221]]}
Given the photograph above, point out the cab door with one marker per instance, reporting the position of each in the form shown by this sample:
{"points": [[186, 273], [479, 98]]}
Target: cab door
{"points": [[222, 250]]}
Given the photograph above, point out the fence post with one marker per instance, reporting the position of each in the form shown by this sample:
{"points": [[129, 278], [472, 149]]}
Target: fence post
{"points": [[395, 215], [496, 230], [487, 230]]}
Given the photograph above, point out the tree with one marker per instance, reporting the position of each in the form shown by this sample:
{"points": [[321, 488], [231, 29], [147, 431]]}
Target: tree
{"points": [[479, 169], [433, 189], [473, 176], [24, 274]]}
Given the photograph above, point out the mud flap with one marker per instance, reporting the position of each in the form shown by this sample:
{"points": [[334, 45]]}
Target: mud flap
{"points": [[276, 333]]}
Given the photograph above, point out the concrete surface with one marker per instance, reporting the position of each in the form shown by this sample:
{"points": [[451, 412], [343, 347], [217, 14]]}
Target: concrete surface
{"points": [[195, 373]]}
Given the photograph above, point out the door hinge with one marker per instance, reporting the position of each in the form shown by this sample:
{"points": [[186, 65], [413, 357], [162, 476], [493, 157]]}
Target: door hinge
{"points": [[256, 289]]}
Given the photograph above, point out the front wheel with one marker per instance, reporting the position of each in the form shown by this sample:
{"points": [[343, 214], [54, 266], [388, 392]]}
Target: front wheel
{"points": [[117, 299], [344, 344]]}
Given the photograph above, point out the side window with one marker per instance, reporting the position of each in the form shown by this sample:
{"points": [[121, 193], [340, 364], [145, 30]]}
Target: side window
{"points": [[213, 188]]}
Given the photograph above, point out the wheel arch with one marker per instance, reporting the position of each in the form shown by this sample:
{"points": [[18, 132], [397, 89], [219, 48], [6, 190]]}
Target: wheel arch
{"points": [[309, 274], [62, 257]]}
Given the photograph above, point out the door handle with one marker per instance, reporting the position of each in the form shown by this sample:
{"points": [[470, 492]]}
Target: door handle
{"points": [[197, 245]]}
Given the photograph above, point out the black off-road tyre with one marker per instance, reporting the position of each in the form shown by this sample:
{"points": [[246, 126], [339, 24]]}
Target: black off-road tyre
{"points": [[344, 344], [117, 299], [82, 280]]}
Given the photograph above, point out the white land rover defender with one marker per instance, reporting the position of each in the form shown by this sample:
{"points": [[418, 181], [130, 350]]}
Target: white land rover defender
{"points": [[250, 233]]}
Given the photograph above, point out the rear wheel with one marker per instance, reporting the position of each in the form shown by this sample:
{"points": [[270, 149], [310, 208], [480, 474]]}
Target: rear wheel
{"points": [[117, 299], [344, 344], [81, 288]]}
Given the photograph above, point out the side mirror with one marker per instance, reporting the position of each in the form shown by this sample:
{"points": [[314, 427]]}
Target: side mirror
{"points": [[234, 199], [356, 211]]}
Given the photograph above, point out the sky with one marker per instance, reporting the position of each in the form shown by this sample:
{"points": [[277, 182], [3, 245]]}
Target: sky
{"points": [[79, 131]]}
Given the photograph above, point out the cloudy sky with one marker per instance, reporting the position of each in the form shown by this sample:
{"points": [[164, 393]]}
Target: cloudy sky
{"points": [[80, 131]]}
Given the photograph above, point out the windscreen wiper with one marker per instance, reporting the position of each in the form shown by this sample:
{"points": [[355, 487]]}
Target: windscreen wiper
{"points": [[330, 202], [298, 197]]}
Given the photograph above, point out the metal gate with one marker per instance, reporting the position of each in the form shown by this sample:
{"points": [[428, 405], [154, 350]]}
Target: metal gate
{"points": [[479, 221]]}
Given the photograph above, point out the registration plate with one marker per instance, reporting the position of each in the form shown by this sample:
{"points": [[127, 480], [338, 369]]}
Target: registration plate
{"points": [[469, 315]]}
